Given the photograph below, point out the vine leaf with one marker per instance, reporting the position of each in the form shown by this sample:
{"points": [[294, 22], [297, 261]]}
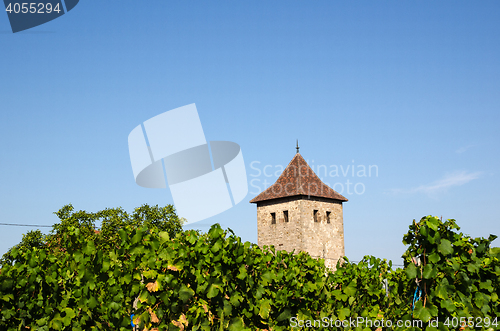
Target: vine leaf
{"points": [[153, 286], [265, 308], [411, 271], [445, 247], [185, 293]]}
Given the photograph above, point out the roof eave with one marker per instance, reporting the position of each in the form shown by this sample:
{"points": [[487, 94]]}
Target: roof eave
{"points": [[255, 200]]}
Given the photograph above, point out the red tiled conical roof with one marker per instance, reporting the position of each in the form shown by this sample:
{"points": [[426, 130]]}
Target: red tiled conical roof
{"points": [[298, 179]]}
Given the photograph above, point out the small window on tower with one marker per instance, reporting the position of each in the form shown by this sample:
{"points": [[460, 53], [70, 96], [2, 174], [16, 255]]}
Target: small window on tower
{"points": [[328, 217], [285, 216], [315, 216], [273, 218]]}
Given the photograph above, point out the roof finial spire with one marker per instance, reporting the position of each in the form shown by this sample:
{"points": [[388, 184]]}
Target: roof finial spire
{"points": [[297, 146]]}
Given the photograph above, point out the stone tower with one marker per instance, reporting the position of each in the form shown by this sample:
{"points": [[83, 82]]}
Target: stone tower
{"points": [[299, 212]]}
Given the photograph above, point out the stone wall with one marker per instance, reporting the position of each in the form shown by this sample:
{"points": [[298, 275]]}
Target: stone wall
{"points": [[284, 236], [302, 233]]}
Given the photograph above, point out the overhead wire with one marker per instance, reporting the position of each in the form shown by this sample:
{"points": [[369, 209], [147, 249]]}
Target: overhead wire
{"points": [[30, 225]]}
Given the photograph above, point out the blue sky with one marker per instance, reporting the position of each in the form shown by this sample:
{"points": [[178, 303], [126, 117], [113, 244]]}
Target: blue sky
{"points": [[409, 87]]}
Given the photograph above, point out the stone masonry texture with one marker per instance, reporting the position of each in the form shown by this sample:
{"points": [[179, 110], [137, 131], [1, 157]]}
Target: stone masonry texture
{"points": [[301, 233], [315, 221]]}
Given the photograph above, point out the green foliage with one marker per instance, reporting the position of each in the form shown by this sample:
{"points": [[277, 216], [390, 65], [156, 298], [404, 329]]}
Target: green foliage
{"points": [[214, 281], [31, 240], [358, 289], [74, 225], [459, 275], [80, 279]]}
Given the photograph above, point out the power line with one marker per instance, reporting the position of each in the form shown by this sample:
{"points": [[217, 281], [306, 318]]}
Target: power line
{"points": [[30, 225]]}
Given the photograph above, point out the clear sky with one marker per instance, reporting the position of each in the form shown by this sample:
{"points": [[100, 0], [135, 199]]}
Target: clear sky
{"points": [[411, 88]]}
